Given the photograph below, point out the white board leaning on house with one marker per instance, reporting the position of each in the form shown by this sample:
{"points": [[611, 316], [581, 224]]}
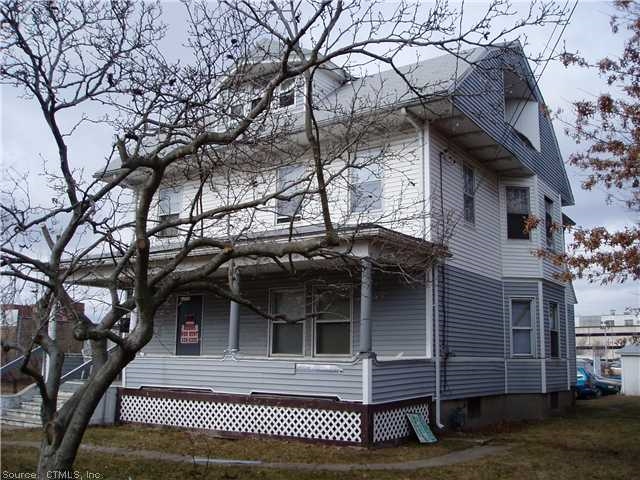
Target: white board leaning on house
{"points": [[630, 355]]}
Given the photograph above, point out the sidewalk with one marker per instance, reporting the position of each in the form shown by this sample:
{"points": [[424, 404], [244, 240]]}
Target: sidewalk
{"points": [[453, 458]]}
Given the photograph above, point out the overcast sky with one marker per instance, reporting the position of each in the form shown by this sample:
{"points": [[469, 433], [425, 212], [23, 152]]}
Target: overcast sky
{"points": [[26, 142]]}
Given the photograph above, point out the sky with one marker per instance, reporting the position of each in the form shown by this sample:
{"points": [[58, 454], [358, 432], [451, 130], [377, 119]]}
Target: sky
{"points": [[26, 142]]}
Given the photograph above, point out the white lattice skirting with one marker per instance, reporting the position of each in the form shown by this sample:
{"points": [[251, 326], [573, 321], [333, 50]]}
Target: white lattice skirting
{"points": [[299, 422], [393, 424]]}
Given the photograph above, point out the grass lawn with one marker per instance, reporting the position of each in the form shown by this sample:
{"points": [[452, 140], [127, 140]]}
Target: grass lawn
{"points": [[600, 439]]}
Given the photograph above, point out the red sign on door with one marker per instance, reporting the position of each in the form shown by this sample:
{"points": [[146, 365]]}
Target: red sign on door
{"points": [[189, 332]]}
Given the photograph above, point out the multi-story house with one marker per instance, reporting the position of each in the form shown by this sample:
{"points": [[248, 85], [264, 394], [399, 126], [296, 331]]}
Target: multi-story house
{"points": [[487, 334]]}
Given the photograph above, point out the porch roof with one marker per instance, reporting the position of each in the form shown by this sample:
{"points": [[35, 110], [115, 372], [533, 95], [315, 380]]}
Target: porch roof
{"points": [[384, 247]]}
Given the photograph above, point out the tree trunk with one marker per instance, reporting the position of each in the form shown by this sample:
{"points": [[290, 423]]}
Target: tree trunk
{"points": [[50, 460]]}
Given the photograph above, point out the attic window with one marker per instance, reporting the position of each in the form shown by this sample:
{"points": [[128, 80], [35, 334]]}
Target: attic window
{"points": [[521, 109]]}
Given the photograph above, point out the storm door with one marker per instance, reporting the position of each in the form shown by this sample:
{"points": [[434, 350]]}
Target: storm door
{"points": [[189, 334]]}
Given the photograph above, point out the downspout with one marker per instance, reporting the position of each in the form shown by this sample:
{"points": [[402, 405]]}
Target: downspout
{"points": [[434, 314], [418, 124], [436, 322]]}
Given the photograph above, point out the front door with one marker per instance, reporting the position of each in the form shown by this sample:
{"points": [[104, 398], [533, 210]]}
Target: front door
{"points": [[189, 332]]}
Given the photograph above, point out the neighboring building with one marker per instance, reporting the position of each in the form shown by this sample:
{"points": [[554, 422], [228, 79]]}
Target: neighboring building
{"points": [[630, 359], [493, 334], [604, 335], [18, 325]]}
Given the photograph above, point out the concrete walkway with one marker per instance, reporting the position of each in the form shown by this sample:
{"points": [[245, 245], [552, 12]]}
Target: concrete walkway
{"points": [[452, 458]]}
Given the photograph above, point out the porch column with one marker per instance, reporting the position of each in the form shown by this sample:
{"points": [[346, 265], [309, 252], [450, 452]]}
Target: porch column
{"points": [[234, 316], [365, 307]]}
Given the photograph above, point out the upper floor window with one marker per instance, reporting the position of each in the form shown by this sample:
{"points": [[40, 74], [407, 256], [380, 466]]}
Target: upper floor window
{"points": [[288, 338], [287, 93], [169, 200], [289, 209], [366, 188], [521, 327], [237, 111], [332, 330], [548, 223], [554, 329], [469, 194], [517, 212]]}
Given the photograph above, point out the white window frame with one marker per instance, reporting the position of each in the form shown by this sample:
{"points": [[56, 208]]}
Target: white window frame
{"points": [[354, 185], [550, 243], [175, 194], [506, 211], [470, 194], [281, 91], [531, 328], [316, 320], [556, 330], [279, 220], [272, 292]]}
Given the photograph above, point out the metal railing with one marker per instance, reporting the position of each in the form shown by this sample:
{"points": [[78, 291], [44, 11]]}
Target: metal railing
{"points": [[16, 363]]}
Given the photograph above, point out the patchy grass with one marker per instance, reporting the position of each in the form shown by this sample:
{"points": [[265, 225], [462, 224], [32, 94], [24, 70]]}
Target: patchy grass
{"points": [[598, 440], [201, 444]]}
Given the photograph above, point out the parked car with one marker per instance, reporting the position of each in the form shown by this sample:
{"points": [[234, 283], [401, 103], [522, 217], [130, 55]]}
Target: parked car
{"points": [[585, 387], [607, 385]]}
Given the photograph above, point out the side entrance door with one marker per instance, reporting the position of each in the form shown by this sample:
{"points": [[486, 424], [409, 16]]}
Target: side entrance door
{"points": [[189, 334]]}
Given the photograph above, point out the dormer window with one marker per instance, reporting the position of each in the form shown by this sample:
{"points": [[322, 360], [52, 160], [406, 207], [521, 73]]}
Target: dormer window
{"points": [[287, 93], [521, 109]]}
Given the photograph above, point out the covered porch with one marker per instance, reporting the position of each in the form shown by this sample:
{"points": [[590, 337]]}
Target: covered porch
{"points": [[359, 359]]}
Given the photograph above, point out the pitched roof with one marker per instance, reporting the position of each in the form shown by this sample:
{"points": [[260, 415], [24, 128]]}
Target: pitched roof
{"points": [[434, 77]]}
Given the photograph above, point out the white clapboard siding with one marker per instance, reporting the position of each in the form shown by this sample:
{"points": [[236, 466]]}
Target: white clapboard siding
{"points": [[474, 247], [550, 270], [401, 190], [518, 256]]}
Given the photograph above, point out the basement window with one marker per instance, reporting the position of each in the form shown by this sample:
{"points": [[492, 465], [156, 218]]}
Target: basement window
{"points": [[521, 109]]}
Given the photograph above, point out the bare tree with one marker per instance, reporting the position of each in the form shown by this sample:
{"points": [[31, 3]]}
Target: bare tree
{"points": [[211, 122]]}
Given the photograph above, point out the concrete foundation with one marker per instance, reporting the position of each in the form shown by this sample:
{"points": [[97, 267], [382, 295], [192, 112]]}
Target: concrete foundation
{"points": [[477, 412]]}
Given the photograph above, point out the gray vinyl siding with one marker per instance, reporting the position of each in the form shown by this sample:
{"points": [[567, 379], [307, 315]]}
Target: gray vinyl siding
{"points": [[246, 376], [163, 341], [524, 376], [471, 314], [522, 289], [398, 311], [398, 379], [572, 344], [481, 97], [556, 375], [552, 292], [472, 378]]}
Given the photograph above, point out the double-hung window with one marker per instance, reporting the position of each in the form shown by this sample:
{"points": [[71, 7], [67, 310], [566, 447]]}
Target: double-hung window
{"points": [[366, 187], [554, 329], [469, 194], [288, 210], [288, 338], [517, 212], [548, 223], [521, 326], [287, 93], [169, 200], [332, 321]]}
